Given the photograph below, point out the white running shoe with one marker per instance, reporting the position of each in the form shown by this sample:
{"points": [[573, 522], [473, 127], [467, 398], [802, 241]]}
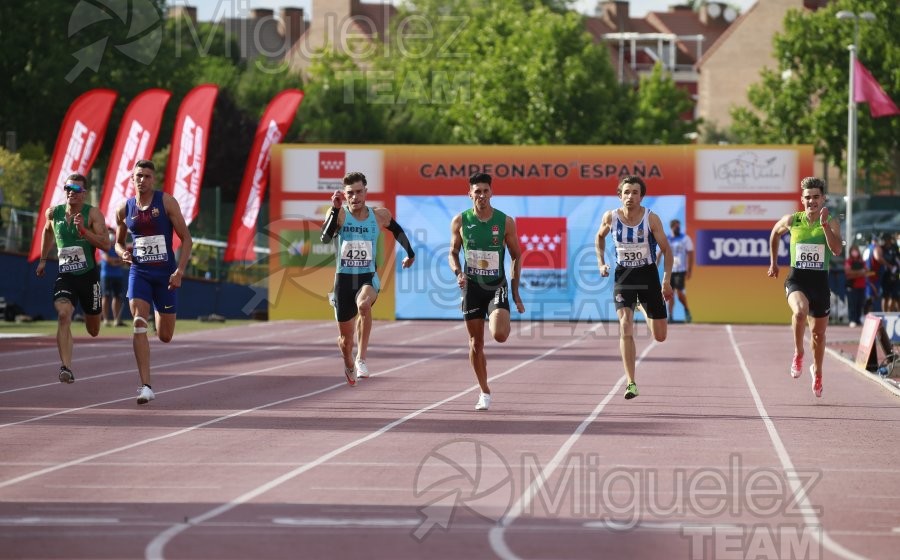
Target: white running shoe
{"points": [[145, 395], [484, 402], [362, 370]]}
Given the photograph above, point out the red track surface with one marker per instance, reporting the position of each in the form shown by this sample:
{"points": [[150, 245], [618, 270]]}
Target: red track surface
{"points": [[256, 448]]}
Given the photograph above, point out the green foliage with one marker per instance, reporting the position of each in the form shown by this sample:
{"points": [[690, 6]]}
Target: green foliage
{"points": [[805, 99], [660, 105], [22, 179], [492, 72]]}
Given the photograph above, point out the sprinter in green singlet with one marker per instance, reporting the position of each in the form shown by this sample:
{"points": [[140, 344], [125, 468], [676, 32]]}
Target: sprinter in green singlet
{"points": [[485, 234], [78, 228], [815, 237]]}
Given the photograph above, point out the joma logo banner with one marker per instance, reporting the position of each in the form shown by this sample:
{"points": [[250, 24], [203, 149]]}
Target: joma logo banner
{"points": [[738, 248]]}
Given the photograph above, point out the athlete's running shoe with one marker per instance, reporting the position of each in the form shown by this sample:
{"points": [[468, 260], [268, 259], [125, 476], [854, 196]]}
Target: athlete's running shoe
{"points": [[687, 317], [145, 394], [66, 375], [631, 391], [484, 401], [350, 373], [796, 366], [817, 381], [362, 370]]}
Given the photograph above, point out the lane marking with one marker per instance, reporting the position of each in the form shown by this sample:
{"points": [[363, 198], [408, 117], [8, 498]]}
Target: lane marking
{"points": [[188, 429], [156, 547], [119, 343], [496, 535], [817, 530], [345, 522]]}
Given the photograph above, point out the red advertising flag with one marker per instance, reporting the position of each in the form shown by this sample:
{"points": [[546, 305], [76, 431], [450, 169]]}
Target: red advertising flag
{"points": [[187, 160], [135, 141], [77, 145], [867, 90], [272, 128]]}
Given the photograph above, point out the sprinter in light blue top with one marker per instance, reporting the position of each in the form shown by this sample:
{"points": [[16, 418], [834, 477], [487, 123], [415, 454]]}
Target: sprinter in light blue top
{"points": [[355, 228], [357, 245], [815, 236]]}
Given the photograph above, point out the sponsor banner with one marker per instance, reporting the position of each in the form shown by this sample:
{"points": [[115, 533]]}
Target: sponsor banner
{"points": [[77, 145], [746, 171], [315, 170], [573, 291], [187, 158], [543, 242], [137, 136], [738, 247], [891, 322], [744, 210], [272, 127]]}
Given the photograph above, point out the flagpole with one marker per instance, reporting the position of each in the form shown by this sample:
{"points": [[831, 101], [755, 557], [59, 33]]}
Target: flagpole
{"points": [[851, 146], [851, 120]]}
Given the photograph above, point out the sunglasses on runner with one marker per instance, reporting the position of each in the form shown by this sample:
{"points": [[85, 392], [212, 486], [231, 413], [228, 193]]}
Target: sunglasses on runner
{"points": [[74, 188]]}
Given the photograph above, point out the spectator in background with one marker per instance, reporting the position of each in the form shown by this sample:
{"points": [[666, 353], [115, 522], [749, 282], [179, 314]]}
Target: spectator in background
{"points": [[112, 283], [874, 258], [837, 284], [857, 273], [890, 287]]}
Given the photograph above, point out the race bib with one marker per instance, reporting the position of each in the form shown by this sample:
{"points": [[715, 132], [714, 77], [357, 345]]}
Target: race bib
{"points": [[72, 259], [631, 255], [810, 256], [482, 263], [150, 248], [356, 253]]}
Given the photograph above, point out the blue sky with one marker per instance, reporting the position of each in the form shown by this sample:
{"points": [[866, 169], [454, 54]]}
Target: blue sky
{"points": [[208, 9]]}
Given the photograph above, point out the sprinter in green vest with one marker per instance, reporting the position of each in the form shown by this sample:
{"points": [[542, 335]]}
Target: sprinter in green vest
{"points": [[78, 228], [485, 234], [815, 237]]}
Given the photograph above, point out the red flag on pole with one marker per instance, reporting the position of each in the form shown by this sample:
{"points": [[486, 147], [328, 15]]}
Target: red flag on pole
{"points": [[135, 140], [187, 158], [867, 90], [272, 128], [77, 145]]}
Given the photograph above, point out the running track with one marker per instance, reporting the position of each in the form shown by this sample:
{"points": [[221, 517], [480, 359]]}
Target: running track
{"points": [[256, 448]]}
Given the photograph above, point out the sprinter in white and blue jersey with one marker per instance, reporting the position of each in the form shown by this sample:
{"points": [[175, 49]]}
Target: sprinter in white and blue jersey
{"points": [[356, 227], [637, 233]]}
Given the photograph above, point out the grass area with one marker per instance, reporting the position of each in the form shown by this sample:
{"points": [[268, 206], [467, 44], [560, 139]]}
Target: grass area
{"points": [[48, 328]]}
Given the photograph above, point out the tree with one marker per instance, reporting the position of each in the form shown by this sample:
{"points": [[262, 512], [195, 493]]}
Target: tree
{"points": [[660, 106], [804, 100], [496, 72]]}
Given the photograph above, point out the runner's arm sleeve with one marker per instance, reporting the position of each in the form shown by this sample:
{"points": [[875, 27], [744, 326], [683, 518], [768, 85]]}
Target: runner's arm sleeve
{"points": [[401, 238], [329, 228]]}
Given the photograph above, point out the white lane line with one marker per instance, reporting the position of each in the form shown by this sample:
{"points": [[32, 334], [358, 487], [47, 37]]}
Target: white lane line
{"points": [[156, 547], [188, 429], [34, 520], [346, 522], [181, 388], [115, 343], [816, 530], [497, 533], [165, 348]]}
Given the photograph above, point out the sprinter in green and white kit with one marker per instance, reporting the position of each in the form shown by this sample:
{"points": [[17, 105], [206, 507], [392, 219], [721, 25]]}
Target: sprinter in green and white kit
{"points": [[485, 234], [78, 230], [815, 237]]}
